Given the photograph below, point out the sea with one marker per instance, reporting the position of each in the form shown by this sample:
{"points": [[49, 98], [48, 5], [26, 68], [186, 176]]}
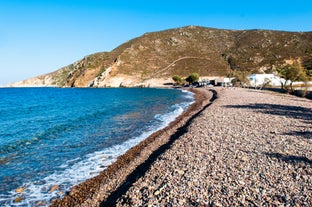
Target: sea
{"points": [[54, 138]]}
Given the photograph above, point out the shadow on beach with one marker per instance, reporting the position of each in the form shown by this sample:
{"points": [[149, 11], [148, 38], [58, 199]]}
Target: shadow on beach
{"points": [[303, 134], [290, 158], [295, 112]]}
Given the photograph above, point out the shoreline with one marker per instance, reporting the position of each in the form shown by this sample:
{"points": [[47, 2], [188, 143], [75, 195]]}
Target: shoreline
{"points": [[135, 161]]}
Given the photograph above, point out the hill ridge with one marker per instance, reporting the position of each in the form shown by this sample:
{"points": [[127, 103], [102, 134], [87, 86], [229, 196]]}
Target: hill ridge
{"points": [[153, 58]]}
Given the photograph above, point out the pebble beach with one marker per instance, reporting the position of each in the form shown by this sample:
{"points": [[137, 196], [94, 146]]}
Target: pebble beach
{"points": [[233, 147]]}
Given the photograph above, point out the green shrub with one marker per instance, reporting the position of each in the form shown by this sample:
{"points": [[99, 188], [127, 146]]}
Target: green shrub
{"points": [[194, 77]]}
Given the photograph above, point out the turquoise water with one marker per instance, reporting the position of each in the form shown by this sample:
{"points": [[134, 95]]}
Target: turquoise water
{"points": [[61, 137]]}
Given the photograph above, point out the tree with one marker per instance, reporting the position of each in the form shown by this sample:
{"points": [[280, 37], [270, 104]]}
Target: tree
{"points": [[240, 78], [177, 79], [292, 73], [194, 77], [307, 64]]}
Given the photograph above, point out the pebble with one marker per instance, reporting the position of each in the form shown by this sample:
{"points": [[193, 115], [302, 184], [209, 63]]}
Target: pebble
{"points": [[19, 190], [53, 188], [18, 199]]}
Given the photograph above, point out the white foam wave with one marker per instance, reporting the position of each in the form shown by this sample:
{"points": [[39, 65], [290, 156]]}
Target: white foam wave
{"points": [[56, 184]]}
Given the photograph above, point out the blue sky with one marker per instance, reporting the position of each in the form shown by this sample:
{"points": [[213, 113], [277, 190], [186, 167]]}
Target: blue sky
{"points": [[41, 36]]}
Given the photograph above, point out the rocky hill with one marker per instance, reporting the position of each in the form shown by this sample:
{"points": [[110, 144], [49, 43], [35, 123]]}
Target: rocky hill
{"points": [[153, 58]]}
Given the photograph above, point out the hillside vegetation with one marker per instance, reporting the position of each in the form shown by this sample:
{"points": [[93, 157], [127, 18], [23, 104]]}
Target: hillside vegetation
{"points": [[155, 57]]}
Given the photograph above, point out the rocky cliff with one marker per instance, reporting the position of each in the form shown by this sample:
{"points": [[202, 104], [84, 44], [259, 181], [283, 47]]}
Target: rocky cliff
{"points": [[153, 58]]}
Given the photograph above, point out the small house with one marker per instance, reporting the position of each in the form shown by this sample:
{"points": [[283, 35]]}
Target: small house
{"points": [[258, 80]]}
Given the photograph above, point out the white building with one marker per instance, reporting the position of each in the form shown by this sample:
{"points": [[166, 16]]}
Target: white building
{"points": [[259, 80]]}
